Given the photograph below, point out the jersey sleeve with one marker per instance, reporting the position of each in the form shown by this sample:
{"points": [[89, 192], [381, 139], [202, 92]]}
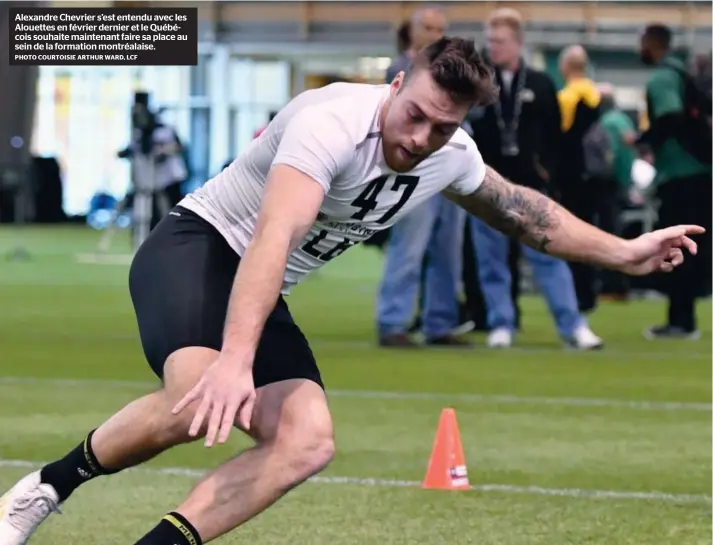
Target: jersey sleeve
{"points": [[473, 171], [317, 143]]}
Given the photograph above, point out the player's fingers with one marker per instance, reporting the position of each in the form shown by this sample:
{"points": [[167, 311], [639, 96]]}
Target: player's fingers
{"points": [[694, 229], [187, 399], [200, 415], [675, 256], [666, 267], [679, 231], [216, 417], [246, 411], [688, 244], [226, 425]]}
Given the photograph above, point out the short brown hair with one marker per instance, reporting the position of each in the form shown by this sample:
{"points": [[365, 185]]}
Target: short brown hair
{"points": [[457, 67], [508, 17]]}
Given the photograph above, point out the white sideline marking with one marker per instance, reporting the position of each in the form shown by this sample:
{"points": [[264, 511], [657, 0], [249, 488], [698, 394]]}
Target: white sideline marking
{"points": [[505, 399], [394, 483]]}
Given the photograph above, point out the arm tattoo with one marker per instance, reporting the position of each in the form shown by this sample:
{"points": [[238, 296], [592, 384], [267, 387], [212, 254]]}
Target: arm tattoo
{"points": [[515, 210]]}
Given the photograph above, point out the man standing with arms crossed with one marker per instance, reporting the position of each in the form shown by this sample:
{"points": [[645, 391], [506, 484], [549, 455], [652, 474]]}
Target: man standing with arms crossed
{"points": [[335, 165]]}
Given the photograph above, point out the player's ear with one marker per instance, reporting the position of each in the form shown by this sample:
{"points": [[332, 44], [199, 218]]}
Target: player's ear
{"points": [[397, 83]]}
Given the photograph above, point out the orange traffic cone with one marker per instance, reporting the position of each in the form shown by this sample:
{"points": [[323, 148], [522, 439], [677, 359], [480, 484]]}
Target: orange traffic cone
{"points": [[446, 468]]}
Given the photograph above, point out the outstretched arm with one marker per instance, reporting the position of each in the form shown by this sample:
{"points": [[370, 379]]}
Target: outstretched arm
{"points": [[540, 222]]}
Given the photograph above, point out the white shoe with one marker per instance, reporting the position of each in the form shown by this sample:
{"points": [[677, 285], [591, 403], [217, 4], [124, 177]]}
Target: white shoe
{"points": [[24, 508], [500, 338], [584, 338]]}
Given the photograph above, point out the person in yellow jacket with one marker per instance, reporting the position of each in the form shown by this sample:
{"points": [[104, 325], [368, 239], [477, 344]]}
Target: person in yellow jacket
{"points": [[579, 107]]}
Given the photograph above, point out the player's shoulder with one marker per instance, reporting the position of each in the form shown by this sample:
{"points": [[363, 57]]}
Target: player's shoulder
{"points": [[352, 108], [461, 149]]}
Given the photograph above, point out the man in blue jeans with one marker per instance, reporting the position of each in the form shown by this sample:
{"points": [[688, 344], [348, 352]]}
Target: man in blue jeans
{"points": [[555, 281], [434, 230], [521, 134], [436, 227]]}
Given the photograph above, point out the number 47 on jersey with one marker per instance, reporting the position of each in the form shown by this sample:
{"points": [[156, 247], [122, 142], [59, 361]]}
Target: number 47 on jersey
{"points": [[367, 201]]}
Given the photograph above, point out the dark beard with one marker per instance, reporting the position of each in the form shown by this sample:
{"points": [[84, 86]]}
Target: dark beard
{"points": [[647, 58]]}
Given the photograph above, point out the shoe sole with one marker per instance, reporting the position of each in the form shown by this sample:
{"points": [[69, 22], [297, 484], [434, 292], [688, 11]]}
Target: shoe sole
{"points": [[694, 336]]}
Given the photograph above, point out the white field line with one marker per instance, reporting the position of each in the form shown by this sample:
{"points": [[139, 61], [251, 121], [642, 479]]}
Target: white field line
{"points": [[682, 356], [393, 483], [506, 399]]}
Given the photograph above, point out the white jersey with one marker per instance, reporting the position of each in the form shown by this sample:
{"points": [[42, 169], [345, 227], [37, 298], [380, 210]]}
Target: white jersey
{"points": [[332, 135]]}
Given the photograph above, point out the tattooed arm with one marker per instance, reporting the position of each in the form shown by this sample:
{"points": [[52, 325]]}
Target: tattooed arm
{"points": [[540, 222]]}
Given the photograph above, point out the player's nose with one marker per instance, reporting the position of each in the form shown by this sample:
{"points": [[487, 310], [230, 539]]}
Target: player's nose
{"points": [[419, 140]]}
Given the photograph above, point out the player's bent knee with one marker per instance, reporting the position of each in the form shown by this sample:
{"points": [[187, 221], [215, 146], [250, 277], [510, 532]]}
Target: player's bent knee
{"points": [[304, 453], [182, 371], [293, 418]]}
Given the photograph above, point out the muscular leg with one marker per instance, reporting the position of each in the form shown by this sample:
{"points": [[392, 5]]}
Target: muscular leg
{"points": [[293, 430], [138, 432], [145, 428]]}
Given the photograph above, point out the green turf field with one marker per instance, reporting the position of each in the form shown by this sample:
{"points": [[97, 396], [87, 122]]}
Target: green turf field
{"points": [[609, 448]]}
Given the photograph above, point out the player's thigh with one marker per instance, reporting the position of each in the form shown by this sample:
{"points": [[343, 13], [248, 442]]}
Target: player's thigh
{"points": [[183, 370], [180, 284], [290, 392]]}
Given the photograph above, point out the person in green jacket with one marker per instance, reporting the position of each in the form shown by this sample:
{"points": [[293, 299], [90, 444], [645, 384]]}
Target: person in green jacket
{"points": [[683, 182], [614, 191]]}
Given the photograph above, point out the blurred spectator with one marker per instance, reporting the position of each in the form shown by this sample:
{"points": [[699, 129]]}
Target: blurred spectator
{"points": [[579, 105], [520, 137], [403, 38], [701, 69], [680, 140], [158, 143], [426, 25], [610, 151], [436, 228]]}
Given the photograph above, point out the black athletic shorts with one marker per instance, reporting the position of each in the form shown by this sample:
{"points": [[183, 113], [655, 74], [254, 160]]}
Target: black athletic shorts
{"points": [[180, 283]]}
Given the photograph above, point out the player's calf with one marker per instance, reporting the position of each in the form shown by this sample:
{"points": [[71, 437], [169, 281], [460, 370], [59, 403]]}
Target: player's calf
{"points": [[140, 431], [137, 433], [293, 430]]}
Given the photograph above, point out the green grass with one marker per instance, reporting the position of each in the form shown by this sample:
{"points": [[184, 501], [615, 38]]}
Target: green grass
{"points": [[533, 416]]}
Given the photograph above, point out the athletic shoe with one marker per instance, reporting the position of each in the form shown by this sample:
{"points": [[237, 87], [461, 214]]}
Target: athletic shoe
{"points": [[397, 340], [584, 339], [671, 332], [500, 338], [24, 508], [449, 341]]}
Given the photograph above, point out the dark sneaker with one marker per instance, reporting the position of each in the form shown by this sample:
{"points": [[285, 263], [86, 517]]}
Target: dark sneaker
{"points": [[466, 326], [449, 341], [397, 340], [671, 332]]}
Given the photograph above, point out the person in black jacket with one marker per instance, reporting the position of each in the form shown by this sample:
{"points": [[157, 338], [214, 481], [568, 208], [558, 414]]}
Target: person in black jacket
{"points": [[520, 136], [579, 102]]}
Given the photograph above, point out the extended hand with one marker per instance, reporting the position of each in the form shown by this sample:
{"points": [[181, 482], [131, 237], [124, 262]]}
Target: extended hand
{"points": [[660, 251], [225, 389]]}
